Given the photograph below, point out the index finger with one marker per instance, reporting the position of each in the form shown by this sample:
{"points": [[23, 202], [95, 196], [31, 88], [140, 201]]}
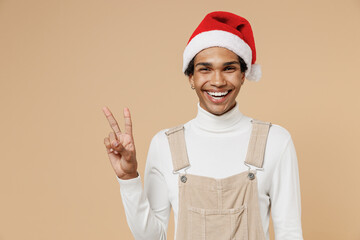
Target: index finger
{"points": [[112, 121]]}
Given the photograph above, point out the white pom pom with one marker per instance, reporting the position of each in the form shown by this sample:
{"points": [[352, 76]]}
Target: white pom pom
{"points": [[255, 73]]}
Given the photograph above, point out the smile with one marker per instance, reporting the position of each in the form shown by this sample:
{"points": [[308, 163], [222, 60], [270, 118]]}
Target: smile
{"points": [[218, 95]]}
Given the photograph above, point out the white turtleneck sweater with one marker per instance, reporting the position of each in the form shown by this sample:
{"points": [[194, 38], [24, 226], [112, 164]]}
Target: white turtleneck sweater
{"points": [[216, 147]]}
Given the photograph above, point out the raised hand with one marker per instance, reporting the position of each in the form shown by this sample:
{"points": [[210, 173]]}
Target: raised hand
{"points": [[120, 146]]}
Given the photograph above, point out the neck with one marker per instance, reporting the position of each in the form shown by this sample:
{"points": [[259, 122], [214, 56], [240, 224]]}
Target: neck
{"points": [[218, 123]]}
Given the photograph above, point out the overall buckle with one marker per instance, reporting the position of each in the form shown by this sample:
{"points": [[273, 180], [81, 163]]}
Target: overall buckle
{"points": [[183, 177], [252, 170]]}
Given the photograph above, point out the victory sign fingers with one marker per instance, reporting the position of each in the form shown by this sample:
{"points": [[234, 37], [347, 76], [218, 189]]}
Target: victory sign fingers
{"points": [[112, 121]]}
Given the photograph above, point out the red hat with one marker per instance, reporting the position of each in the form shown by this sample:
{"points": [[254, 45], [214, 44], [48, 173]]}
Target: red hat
{"points": [[225, 29]]}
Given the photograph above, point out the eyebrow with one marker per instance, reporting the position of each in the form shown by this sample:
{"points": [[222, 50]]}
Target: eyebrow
{"points": [[209, 64], [204, 64], [229, 63]]}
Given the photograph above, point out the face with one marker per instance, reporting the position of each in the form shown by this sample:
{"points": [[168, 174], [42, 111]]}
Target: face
{"points": [[217, 79]]}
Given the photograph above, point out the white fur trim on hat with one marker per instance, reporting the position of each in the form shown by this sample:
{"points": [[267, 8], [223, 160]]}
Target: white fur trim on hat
{"points": [[255, 73], [218, 38]]}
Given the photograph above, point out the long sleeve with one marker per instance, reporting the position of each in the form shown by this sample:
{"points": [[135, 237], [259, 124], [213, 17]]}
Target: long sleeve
{"points": [[285, 196], [147, 210]]}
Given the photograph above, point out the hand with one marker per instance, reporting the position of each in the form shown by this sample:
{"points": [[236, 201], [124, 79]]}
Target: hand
{"points": [[120, 146]]}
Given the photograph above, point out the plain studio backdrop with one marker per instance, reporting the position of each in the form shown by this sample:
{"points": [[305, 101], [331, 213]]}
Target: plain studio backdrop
{"points": [[62, 61]]}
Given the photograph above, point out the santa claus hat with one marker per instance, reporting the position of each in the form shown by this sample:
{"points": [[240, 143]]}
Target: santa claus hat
{"points": [[225, 29]]}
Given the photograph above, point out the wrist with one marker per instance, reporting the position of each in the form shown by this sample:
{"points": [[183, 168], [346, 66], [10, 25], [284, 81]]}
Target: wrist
{"points": [[129, 176]]}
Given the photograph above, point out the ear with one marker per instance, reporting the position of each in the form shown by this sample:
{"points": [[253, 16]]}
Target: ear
{"points": [[191, 79]]}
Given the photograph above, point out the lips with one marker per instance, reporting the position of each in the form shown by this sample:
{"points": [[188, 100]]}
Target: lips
{"points": [[217, 96]]}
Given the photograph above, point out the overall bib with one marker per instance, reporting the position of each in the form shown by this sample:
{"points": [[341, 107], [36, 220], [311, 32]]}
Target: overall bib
{"points": [[219, 209]]}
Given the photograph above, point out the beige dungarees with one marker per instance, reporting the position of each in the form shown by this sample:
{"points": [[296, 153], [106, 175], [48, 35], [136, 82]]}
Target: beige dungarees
{"points": [[219, 209]]}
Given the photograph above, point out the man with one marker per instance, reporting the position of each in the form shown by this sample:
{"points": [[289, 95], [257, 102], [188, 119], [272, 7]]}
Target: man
{"points": [[222, 170]]}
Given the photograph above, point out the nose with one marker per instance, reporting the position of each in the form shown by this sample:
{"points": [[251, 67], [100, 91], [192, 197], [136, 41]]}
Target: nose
{"points": [[217, 79]]}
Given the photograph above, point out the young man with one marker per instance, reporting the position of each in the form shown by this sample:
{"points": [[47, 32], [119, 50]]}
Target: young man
{"points": [[222, 171]]}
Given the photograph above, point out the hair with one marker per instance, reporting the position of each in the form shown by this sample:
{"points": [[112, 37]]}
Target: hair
{"points": [[190, 68]]}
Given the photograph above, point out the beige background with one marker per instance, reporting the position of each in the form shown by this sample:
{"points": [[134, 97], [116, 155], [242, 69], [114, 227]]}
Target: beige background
{"points": [[61, 61]]}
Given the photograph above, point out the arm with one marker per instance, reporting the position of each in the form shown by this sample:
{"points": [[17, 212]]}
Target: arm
{"points": [[147, 211], [147, 219], [285, 196]]}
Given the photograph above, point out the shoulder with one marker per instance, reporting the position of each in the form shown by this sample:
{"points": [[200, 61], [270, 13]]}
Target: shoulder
{"points": [[276, 132], [161, 136], [160, 139], [159, 151], [279, 133], [278, 139]]}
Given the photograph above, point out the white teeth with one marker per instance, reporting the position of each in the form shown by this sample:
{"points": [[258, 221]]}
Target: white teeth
{"points": [[217, 94], [216, 97]]}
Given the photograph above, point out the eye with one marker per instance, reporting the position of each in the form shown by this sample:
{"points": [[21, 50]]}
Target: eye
{"points": [[229, 68], [204, 69]]}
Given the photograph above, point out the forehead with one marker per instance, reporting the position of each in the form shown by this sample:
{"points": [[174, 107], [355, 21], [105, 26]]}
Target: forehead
{"points": [[215, 54]]}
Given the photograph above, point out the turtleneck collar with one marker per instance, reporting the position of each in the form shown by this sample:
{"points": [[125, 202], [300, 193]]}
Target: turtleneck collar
{"points": [[214, 123]]}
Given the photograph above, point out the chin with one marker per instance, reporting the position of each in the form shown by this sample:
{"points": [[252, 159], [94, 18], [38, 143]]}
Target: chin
{"points": [[217, 111]]}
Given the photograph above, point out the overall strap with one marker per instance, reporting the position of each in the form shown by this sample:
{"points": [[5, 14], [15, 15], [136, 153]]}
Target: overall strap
{"points": [[257, 143], [177, 145]]}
